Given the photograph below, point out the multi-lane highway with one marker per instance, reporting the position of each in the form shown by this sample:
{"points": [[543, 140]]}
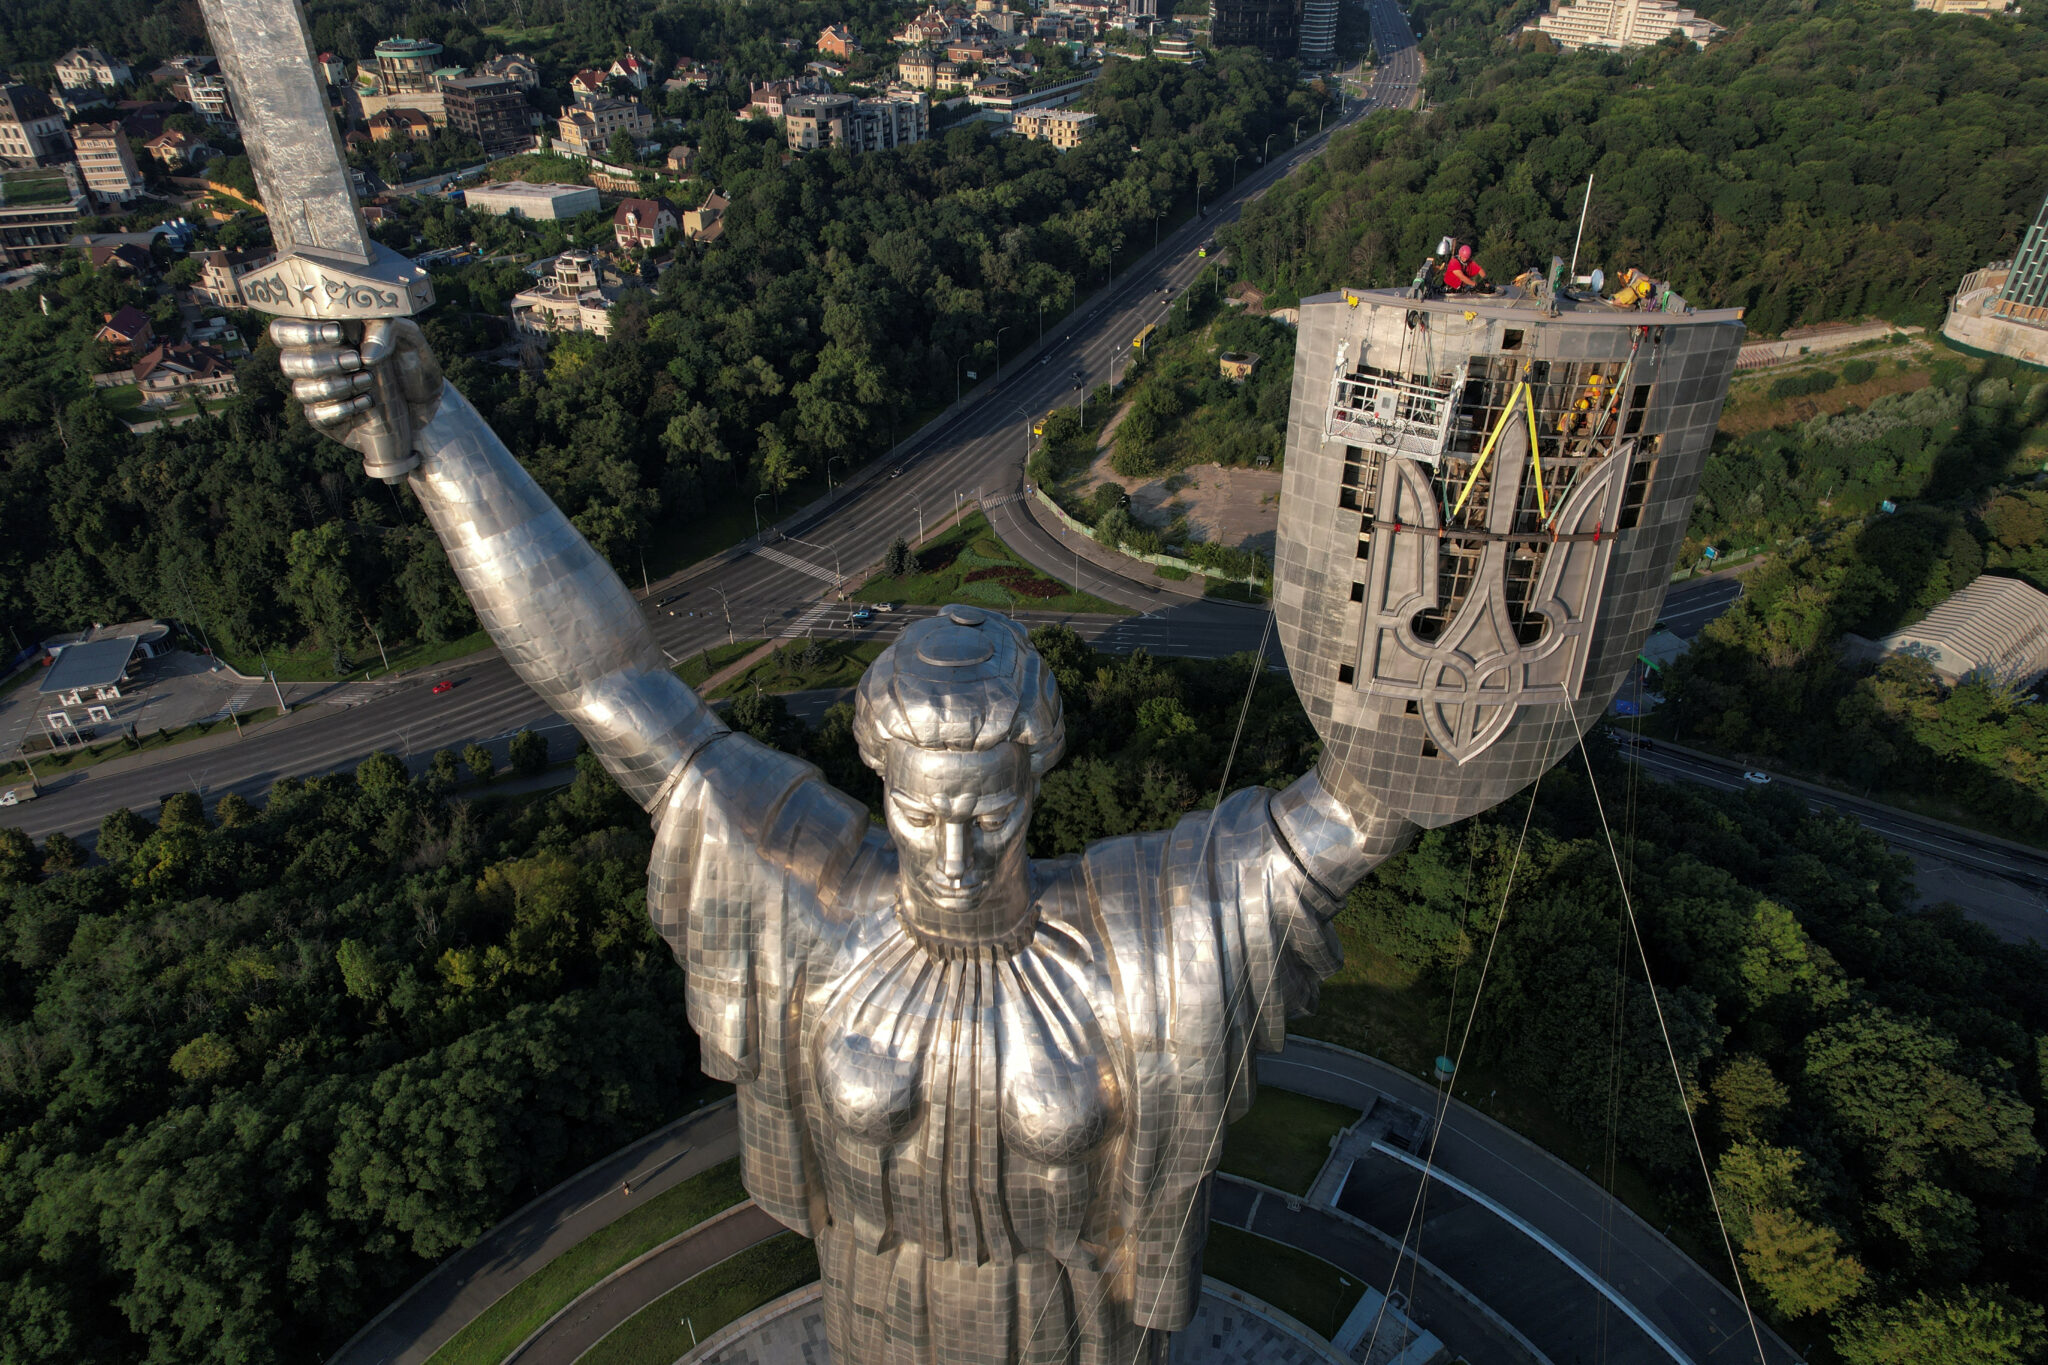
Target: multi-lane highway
{"points": [[785, 584]]}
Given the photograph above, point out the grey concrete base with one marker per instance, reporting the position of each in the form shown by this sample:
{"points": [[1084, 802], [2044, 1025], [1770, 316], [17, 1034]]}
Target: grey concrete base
{"points": [[1230, 1327]]}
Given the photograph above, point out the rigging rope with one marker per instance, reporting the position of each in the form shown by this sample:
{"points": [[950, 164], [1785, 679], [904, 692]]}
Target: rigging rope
{"points": [[1677, 1075]]}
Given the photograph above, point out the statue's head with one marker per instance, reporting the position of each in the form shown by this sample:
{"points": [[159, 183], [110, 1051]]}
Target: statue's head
{"points": [[961, 718]]}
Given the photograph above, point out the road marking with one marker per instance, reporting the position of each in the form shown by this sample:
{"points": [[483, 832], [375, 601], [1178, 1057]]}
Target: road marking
{"points": [[1542, 1239], [800, 565], [808, 622]]}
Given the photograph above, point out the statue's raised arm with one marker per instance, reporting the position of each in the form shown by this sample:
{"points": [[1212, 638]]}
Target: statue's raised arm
{"points": [[994, 1089]]}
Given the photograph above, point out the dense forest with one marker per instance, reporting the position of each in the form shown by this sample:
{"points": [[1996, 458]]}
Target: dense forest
{"points": [[1817, 162], [843, 297], [260, 1069]]}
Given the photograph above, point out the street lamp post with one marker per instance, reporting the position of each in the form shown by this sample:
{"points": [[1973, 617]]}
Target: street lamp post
{"points": [[1027, 436], [999, 350], [1041, 322], [1297, 130], [956, 379], [1267, 150], [828, 469], [1233, 169], [1155, 230], [757, 514], [726, 603]]}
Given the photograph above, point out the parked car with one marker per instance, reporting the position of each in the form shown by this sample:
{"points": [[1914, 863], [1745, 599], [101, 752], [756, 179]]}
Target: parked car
{"points": [[1756, 778], [445, 685]]}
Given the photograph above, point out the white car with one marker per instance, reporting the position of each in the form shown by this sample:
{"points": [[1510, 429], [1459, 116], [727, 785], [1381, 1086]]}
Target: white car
{"points": [[1756, 778], [16, 796]]}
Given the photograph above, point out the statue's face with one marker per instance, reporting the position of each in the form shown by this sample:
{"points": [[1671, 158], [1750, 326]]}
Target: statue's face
{"points": [[958, 820]]}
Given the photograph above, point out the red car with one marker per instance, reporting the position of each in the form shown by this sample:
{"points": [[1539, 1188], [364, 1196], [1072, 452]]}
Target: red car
{"points": [[445, 685]]}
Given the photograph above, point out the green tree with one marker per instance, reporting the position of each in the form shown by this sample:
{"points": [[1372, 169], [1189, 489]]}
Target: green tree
{"points": [[1799, 1264], [529, 753], [62, 853], [478, 760], [20, 860], [122, 832], [1961, 1327]]}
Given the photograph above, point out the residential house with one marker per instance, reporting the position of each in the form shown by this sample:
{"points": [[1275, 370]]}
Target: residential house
{"points": [[88, 68], [643, 224], [574, 296], [929, 29], [515, 67], [1063, 128], [31, 128], [145, 118], [123, 258], [590, 84], [176, 369], [401, 125], [106, 162], [127, 332], [951, 77], [197, 81], [333, 70], [588, 131], [706, 222], [633, 70], [766, 100], [176, 148], [836, 40], [492, 110], [680, 159], [918, 69], [692, 74]]}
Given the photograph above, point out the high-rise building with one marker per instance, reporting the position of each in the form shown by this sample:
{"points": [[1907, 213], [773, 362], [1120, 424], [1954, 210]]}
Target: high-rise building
{"points": [[1318, 34], [1482, 507], [1271, 26]]}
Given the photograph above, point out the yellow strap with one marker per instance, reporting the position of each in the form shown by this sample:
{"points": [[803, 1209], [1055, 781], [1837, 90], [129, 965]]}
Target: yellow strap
{"points": [[1535, 456], [1498, 427]]}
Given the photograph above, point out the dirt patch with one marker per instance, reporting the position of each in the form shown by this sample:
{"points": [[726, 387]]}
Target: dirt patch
{"points": [[1750, 411], [1238, 508]]}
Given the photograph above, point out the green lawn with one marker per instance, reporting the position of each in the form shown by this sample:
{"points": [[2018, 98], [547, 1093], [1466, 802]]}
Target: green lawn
{"points": [[49, 765], [699, 1306], [541, 1295], [839, 664], [701, 665], [1284, 1140], [313, 664], [1306, 1288], [970, 563]]}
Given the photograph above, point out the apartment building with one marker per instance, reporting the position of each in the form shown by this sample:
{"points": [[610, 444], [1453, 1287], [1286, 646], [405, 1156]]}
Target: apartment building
{"points": [[1271, 26], [871, 125], [106, 162], [31, 128], [490, 109], [405, 66], [197, 81]]}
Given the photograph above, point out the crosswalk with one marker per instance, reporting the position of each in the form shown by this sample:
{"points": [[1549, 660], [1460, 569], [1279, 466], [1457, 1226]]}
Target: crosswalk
{"points": [[792, 562], [817, 615]]}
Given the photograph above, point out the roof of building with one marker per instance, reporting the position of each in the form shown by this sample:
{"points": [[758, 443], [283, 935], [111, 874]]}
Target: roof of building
{"points": [[90, 54], [200, 362], [94, 663], [20, 103], [521, 189], [129, 322], [590, 79], [1996, 625], [407, 47], [98, 132], [646, 210], [126, 254], [389, 118]]}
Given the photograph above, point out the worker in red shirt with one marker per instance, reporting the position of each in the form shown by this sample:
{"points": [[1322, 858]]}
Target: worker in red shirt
{"points": [[1462, 272]]}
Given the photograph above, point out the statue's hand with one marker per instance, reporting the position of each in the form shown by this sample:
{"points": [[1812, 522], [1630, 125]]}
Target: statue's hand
{"points": [[370, 386]]}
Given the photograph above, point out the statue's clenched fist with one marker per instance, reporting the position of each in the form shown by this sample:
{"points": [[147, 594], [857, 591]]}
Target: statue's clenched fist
{"points": [[370, 391]]}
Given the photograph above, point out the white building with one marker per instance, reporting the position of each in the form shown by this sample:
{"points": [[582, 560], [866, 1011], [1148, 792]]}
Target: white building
{"points": [[587, 130], [1994, 630], [31, 128], [88, 68], [542, 202], [574, 297], [1063, 128], [1623, 24]]}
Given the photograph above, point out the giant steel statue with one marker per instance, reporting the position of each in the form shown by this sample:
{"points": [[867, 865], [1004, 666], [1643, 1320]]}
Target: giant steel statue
{"points": [[994, 1088]]}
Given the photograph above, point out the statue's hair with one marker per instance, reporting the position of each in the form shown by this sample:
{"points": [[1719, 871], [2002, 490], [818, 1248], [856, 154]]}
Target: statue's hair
{"points": [[965, 680]]}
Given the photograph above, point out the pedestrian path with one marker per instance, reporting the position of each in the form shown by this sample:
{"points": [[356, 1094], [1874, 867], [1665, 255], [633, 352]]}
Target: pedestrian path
{"points": [[790, 561]]}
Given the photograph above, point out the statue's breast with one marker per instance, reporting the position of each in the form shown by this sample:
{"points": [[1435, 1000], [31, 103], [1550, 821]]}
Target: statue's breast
{"points": [[907, 1038]]}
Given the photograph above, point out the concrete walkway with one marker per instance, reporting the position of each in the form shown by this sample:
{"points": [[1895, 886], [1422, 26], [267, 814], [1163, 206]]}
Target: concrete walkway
{"points": [[467, 1283]]}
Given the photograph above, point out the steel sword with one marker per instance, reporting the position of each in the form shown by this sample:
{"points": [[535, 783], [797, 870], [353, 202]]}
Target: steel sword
{"points": [[328, 268]]}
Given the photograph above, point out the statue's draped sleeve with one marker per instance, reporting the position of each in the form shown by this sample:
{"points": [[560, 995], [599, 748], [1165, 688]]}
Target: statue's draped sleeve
{"points": [[1220, 931]]}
